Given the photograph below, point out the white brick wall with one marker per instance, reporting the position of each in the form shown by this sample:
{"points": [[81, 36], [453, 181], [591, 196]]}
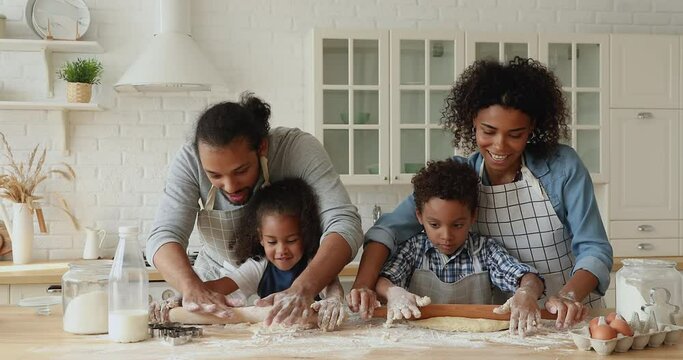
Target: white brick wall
{"points": [[120, 155]]}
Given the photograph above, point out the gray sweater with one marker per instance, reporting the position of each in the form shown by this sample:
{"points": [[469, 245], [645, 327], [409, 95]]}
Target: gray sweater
{"points": [[291, 153]]}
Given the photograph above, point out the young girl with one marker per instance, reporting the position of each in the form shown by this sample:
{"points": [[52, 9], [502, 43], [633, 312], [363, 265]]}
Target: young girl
{"points": [[278, 236]]}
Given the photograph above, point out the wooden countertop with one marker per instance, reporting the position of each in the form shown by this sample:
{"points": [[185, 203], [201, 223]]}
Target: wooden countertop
{"points": [[50, 272], [25, 335]]}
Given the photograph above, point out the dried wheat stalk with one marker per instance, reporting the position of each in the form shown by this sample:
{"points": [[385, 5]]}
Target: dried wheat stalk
{"points": [[19, 184]]}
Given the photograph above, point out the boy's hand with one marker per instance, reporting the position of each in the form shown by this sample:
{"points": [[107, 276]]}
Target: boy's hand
{"points": [[330, 312], [568, 310], [402, 304], [362, 300], [525, 315]]}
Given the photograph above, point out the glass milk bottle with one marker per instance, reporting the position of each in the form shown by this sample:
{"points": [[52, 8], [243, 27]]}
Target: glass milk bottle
{"points": [[128, 290]]}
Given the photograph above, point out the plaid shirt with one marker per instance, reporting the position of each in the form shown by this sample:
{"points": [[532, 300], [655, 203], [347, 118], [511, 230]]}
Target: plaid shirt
{"points": [[504, 270]]}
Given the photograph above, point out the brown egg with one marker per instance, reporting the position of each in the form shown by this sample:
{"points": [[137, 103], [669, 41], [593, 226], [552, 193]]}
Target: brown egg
{"points": [[621, 326], [603, 332], [593, 323], [610, 317]]}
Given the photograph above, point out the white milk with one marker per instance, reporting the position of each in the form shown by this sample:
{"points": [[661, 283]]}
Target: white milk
{"points": [[87, 314], [128, 325]]}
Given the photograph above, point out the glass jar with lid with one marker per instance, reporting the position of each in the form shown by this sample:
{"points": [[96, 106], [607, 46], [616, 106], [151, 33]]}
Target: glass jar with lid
{"points": [[85, 296], [645, 285]]}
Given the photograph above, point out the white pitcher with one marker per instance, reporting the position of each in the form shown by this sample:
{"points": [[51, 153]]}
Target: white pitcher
{"points": [[93, 242]]}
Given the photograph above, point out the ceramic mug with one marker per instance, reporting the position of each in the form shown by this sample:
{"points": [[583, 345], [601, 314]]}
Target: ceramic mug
{"points": [[93, 242]]}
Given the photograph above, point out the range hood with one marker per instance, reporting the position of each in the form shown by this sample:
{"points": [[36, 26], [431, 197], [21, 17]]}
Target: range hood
{"points": [[172, 61]]}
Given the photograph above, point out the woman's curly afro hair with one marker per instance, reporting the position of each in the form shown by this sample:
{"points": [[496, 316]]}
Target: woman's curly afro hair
{"points": [[447, 180], [522, 84]]}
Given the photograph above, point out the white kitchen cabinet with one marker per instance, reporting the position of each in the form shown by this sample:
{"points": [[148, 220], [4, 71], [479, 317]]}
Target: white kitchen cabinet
{"points": [[645, 71], [4, 295], [424, 66], [357, 72], [351, 100], [581, 63], [21, 291], [502, 47], [645, 156]]}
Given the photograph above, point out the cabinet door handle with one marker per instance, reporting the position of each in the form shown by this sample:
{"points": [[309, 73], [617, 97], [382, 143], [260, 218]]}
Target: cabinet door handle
{"points": [[645, 228], [645, 246], [54, 289], [645, 115]]}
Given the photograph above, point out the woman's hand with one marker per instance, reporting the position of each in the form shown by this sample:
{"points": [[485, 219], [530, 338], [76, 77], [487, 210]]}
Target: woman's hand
{"points": [[289, 306], [363, 300], [402, 304], [330, 312], [569, 311]]}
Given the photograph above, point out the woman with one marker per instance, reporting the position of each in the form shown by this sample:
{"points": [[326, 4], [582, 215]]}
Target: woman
{"points": [[233, 154], [536, 196]]}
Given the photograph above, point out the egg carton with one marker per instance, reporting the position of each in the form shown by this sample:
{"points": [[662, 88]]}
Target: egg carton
{"points": [[649, 334]]}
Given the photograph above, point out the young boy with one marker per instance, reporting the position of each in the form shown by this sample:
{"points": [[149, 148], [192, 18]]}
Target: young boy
{"points": [[448, 263]]}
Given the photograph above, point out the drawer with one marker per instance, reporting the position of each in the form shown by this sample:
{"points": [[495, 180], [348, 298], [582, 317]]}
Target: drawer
{"points": [[4, 294], [643, 229], [644, 247]]}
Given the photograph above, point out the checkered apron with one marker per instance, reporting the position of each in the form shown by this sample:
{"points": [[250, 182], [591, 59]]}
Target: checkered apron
{"points": [[521, 216], [217, 231], [471, 289]]}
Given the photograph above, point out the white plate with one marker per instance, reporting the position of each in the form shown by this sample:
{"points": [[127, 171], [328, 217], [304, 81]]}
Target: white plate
{"points": [[28, 14], [61, 19]]}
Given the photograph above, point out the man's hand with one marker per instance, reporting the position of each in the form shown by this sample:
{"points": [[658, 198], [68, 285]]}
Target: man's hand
{"points": [[402, 304], [330, 312], [289, 306], [362, 300]]}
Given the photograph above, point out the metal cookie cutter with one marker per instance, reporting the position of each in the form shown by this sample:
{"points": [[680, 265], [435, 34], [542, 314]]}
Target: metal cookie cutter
{"points": [[174, 333], [657, 301]]}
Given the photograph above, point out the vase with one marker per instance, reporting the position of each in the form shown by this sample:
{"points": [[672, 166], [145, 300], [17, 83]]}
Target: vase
{"points": [[78, 92], [22, 233]]}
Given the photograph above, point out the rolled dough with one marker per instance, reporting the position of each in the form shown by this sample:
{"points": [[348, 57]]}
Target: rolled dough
{"points": [[447, 323], [248, 314]]}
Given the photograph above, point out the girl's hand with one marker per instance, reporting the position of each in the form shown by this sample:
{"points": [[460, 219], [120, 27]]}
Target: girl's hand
{"points": [[362, 300], [402, 304], [525, 316], [330, 312], [569, 311], [289, 306]]}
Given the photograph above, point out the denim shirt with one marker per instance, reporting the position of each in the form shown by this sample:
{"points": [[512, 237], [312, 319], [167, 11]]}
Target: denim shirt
{"points": [[570, 189]]}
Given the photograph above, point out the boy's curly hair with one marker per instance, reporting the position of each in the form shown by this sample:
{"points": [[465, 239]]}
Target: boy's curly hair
{"points": [[446, 180], [291, 196], [522, 84]]}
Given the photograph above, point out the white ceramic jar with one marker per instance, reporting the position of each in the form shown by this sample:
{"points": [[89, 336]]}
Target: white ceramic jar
{"points": [[654, 284]]}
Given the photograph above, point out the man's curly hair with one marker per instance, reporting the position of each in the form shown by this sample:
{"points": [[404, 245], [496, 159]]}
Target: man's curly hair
{"points": [[291, 196], [446, 180], [522, 84]]}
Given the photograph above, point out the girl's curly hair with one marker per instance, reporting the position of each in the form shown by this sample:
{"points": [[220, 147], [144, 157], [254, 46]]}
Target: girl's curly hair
{"points": [[522, 84], [447, 180], [292, 197]]}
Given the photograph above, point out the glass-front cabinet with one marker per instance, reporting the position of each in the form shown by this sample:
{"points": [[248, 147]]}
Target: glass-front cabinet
{"points": [[580, 61], [502, 47], [352, 102], [424, 66]]}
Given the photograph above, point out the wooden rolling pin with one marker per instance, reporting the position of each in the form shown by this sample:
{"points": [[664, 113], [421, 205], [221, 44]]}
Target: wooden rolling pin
{"points": [[248, 314], [471, 311]]}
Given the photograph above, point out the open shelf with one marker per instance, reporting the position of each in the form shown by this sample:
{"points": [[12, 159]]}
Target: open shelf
{"points": [[46, 48], [56, 113]]}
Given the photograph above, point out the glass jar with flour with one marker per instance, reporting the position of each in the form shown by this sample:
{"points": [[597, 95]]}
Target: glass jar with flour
{"points": [[649, 285], [84, 297]]}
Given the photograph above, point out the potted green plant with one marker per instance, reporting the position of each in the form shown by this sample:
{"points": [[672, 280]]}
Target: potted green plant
{"points": [[80, 75]]}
